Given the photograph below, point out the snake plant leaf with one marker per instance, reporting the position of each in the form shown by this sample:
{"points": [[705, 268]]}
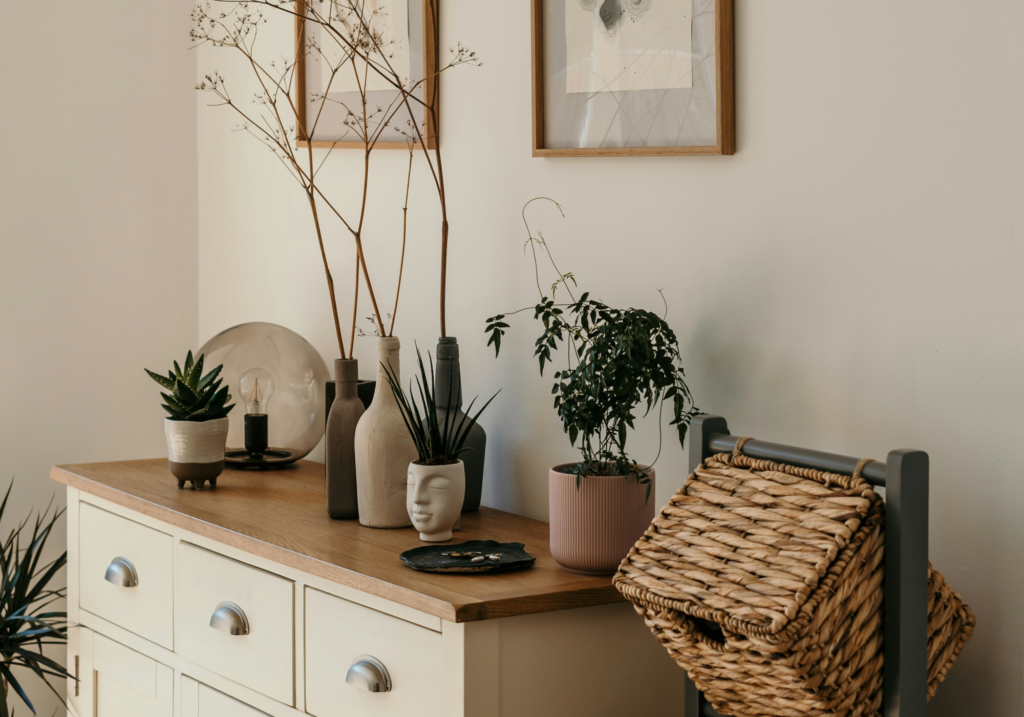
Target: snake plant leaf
{"points": [[164, 381]]}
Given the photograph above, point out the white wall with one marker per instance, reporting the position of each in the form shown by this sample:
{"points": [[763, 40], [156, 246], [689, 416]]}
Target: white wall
{"points": [[850, 280], [98, 237]]}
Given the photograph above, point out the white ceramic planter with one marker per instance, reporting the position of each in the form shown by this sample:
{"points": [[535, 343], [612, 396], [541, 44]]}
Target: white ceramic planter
{"points": [[434, 499], [195, 450], [384, 450]]}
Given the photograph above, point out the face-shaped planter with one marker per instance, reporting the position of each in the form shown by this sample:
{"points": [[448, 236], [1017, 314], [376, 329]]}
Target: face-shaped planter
{"points": [[434, 499]]}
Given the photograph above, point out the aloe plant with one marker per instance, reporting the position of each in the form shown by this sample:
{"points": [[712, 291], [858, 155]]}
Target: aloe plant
{"points": [[193, 397], [30, 620]]}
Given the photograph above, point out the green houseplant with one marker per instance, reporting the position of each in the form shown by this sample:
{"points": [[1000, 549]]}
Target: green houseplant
{"points": [[197, 425], [29, 621], [617, 361], [436, 484]]}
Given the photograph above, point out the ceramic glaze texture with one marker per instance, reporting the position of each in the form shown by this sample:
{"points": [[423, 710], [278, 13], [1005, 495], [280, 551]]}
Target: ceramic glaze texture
{"points": [[435, 495], [383, 449], [340, 452], [594, 527], [196, 441], [195, 449]]}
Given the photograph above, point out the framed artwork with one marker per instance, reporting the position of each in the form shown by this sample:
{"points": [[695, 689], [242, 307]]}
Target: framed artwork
{"points": [[620, 78], [408, 29]]}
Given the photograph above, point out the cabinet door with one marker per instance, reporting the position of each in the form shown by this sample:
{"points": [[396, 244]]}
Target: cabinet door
{"points": [[198, 700], [119, 682]]}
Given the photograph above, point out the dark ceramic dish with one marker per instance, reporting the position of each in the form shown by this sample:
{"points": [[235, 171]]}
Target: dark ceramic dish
{"points": [[439, 558]]}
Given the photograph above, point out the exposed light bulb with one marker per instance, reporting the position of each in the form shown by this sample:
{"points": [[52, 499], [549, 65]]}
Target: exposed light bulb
{"points": [[256, 388]]}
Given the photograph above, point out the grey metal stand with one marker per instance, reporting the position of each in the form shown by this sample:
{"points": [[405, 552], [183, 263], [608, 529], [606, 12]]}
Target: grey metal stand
{"points": [[905, 478]]}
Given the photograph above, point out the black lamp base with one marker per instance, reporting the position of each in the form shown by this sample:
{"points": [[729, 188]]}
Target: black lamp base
{"points": [[272, 459]]}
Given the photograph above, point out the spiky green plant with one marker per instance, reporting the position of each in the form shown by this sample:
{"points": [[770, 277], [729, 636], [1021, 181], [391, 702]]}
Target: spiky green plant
{"points": [[27, 624], [193, 397], [438, 441]]}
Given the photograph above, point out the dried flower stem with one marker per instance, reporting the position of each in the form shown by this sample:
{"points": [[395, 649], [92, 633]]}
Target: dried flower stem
{"points": [[405, 222]]}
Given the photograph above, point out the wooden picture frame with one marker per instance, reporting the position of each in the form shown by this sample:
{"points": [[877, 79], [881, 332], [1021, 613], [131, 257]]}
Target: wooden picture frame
{"points": [[724, 95], [431, 87]]}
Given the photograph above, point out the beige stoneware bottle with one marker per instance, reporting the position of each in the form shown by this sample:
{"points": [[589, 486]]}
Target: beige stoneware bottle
{"points": [[384, 449]]}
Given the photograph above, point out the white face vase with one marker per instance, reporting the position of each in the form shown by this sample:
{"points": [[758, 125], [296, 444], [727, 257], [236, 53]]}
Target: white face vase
{"points": [[434, 499]]}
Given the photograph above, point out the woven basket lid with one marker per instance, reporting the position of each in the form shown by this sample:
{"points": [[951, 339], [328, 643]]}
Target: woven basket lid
{"points": [[745, 543]]}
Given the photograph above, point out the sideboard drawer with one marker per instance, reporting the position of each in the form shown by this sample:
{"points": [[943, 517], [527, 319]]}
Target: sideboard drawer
{"points": [[260, 609], [339, 632], [199, 700], [143, 556]]}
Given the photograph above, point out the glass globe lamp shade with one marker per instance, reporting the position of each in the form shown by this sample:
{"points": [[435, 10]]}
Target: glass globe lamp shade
{"points": [[292, 376]]}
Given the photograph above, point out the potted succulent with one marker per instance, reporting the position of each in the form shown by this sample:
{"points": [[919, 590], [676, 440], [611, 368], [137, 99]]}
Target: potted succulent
{"points": [[197, 427], [618, 360], [437, 479]]}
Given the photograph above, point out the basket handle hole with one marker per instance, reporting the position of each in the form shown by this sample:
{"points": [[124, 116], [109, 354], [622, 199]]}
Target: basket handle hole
{"points": [[710, 631]]}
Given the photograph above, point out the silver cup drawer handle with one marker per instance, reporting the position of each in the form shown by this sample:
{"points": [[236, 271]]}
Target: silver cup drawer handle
{"points": [[229, 619], [368, 673], [122, 573]]}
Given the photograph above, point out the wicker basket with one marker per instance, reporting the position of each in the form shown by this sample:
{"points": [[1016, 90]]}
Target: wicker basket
{"points": [[764, 581]]}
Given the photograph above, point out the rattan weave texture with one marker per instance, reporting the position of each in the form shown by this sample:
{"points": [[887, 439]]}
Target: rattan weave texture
{"points": [[765, 581]]}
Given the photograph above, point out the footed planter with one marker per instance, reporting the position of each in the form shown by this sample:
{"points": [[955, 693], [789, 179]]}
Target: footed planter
{"points": [[434, 499], [195, 450], [594, 527]]}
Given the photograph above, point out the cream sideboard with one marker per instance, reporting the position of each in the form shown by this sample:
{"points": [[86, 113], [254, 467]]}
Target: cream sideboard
{"points": [[248, 600]]}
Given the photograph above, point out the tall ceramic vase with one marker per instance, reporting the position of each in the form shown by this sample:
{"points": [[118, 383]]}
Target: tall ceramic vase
{"points": [[384, 450], [340, 458], [447, 375]]}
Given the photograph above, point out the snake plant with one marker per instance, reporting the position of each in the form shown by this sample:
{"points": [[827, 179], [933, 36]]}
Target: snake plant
{"points": [[193, 397]]}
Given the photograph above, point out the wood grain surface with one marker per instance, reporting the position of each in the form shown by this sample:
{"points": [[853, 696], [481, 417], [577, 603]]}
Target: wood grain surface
{"points": [[282, 516]]}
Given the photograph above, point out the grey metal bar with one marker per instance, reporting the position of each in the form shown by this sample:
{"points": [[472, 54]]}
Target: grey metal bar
{"points": [[874, 472], [905, 676], [702, 428]]}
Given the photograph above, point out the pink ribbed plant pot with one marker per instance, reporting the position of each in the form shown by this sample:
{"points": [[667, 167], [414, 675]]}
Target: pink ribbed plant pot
{"points": [[593, 528]]}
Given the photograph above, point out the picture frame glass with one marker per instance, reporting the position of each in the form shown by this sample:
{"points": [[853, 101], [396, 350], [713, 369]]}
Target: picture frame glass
{"points": [[401, 24], [629, 74]]}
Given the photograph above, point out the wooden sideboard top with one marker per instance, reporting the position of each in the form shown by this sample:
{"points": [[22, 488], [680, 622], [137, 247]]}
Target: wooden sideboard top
{"points": [[281, 516]]}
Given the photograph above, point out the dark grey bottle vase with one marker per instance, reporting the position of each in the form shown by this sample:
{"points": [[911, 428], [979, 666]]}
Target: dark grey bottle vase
{"points": [[340, 457], [447, 373]]}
